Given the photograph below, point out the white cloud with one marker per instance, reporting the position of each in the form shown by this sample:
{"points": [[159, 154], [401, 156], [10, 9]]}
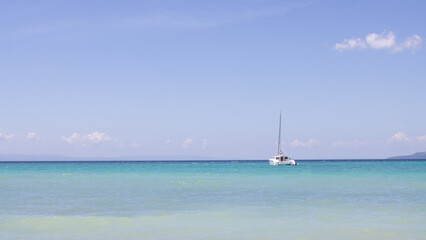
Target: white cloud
{"points": [[384, 40], [4, 136], [411, 43], [402, 137], [348, 44], [187, 143], [399, 137], [75, 137], [379, 41], [30, 136], [94, 137], [310, 143], [98, 137]]}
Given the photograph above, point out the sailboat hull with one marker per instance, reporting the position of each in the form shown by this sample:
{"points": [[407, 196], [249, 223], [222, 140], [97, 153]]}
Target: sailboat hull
{"points": [[275, 162]]}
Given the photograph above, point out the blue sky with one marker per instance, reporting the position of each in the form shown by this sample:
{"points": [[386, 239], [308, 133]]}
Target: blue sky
{"points": [[114, 78]]}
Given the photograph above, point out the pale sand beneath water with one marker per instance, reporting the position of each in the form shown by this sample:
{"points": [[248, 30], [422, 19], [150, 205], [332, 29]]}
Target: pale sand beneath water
{"points": [[314, 201]]}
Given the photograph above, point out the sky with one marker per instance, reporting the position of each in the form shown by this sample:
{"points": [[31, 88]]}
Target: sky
{"points": [[209, 78]]}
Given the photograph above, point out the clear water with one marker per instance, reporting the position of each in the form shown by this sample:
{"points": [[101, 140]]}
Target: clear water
{"points": [[244, 200]]}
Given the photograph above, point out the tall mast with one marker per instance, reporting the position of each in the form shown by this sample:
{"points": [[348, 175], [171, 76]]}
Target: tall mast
{"points": [[279, 137]]}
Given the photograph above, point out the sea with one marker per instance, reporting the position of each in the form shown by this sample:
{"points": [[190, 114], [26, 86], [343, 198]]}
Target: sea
{"points": [[213, 200]]}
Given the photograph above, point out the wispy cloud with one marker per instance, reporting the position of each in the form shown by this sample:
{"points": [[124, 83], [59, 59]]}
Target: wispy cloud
{"points": [[350, 44], [40, 29], [163, 20], [397, 138], [31, 136], [186, 143], [5, 136], [95, 137], [75, 137], [204, 144], [135, 145], [401, 137], [310, 143], [384, 40], [411, 43], [351, 143], [205, 15]]}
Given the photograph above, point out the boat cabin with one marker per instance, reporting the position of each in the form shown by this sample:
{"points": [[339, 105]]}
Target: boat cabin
{"points": [[282, 158]]}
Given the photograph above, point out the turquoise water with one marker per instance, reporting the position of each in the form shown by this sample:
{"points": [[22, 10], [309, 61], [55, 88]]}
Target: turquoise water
{"points": [[221, 200]]}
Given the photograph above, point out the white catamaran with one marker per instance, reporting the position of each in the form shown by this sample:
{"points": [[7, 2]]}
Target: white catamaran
{"points": [[281, 159]]}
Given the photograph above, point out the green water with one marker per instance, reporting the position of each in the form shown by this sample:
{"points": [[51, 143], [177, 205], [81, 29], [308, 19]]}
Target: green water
{"points": [[196, 200]]}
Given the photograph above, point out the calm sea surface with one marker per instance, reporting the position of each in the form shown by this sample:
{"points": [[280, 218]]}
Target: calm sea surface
{"points": [[220, 200]]}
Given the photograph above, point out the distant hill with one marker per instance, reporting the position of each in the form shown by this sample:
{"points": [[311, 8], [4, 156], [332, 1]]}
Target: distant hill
{"points": [[419, 155]]}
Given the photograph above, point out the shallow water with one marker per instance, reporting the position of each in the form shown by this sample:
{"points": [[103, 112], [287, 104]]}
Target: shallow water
{"points": [[213, 200]]}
